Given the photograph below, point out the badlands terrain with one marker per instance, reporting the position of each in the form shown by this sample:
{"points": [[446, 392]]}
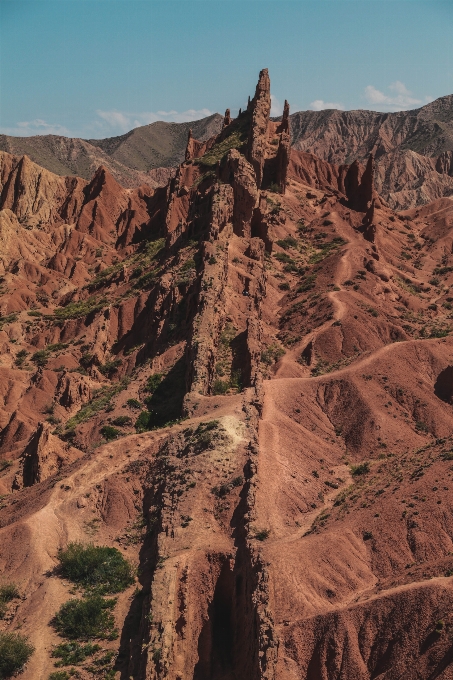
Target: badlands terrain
{"points": [[240, 376]]}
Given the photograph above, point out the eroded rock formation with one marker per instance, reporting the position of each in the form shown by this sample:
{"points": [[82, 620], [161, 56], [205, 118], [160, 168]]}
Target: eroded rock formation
{"points": [[242, 381]]}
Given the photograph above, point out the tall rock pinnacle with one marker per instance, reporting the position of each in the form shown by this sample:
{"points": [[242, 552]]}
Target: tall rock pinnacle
{"points": [[261, 108]]}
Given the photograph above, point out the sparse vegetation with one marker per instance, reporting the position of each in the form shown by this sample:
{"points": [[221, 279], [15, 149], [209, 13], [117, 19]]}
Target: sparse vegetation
{"points": [[272, 354], [75, 310], [235, 140], [153, 382], [73, 653], [288, 242], [8, 592], [122, 421], [262, 534], [97, 568], [100, 401], [110, 367], [361, 469], [9, 318], [60, 675], [20, 357]]}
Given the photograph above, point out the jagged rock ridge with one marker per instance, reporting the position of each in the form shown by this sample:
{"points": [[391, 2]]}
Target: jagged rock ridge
{"points": [[242, 380]]}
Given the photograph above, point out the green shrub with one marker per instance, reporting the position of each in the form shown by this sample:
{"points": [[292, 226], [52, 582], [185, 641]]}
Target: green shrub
{"points": [[262, 535], [147, 279], [143, 421], [153, 382], [109, 433], [122, 421], [72, 653], [15, 650], [59, 675], [8, 592], [110, 367], [96, 567], [5, 464], [40, 358], [284, 257], [56, 346], [10, 318], [220, 387], [272, 354], [86, 619], [307, 284], [134, 403], [361, 469], [101, 400], [20, 357], [288, 242], [75, 310]]}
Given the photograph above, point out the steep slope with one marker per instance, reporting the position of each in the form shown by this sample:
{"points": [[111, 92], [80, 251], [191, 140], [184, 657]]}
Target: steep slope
{"points": [[130, 158], [413, 149], [157, 145], [243, 381]]}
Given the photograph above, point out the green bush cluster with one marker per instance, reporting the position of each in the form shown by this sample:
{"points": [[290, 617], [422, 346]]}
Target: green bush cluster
{"points": [[72, 653], [272, 354], [98, 568], [109, 433], [86, 619], [153, 382], [15, 651], [75, 310], [361, 469], [40, 358], [8, 593]]}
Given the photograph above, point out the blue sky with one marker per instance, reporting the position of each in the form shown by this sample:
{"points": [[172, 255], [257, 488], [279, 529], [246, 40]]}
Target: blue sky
{"points": [[96, 68]]}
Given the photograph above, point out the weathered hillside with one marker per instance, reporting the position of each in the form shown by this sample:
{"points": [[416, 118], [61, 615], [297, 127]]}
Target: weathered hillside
{"points": [[243, 382]]}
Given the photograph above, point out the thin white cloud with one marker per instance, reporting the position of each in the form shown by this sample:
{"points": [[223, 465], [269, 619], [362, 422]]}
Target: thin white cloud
{"points": [[34, 127], [276, 106], [320, 105], [400, 98], [124, 121]]}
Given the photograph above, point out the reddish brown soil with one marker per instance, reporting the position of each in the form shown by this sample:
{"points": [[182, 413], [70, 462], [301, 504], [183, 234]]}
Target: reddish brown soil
{"points": [[283, 481]]}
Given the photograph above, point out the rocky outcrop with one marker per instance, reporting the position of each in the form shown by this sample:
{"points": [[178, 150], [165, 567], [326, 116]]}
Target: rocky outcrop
{"points": [[43, 456], [240, 173], [73, 390], [209, 319], [359, 185], [227, 118], [284, 150], [260, 108]]}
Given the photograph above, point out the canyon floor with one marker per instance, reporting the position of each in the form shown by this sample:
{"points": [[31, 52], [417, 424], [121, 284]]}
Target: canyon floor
{"points": [[243, 381]]}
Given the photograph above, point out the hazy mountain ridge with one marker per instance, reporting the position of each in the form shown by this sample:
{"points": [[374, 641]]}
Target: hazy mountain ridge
{"points": [[129, 157]]}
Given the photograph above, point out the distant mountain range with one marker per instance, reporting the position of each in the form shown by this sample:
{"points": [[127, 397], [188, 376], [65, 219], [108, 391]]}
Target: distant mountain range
{"points": [[131, 158], [413, 149]]}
